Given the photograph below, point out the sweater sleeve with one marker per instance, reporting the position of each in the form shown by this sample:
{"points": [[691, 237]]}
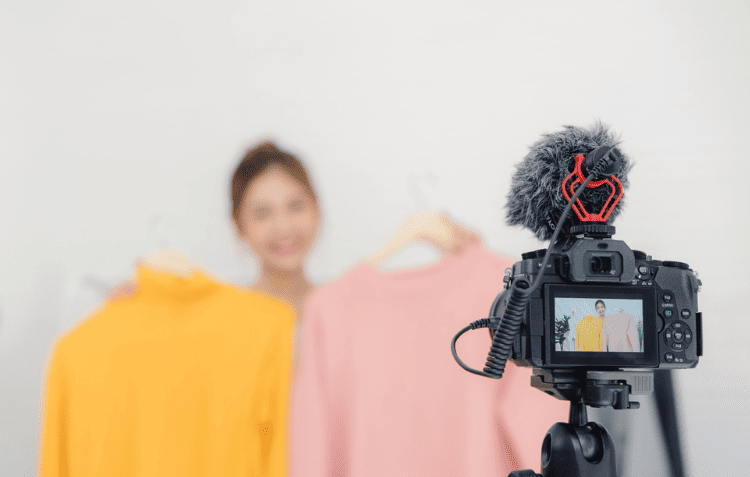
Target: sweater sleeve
{"points": [[53, 447], [312, 450], [273, 424]]}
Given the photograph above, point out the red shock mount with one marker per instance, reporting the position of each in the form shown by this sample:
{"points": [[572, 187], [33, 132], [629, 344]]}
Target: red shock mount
{"points": [[568, 191]]}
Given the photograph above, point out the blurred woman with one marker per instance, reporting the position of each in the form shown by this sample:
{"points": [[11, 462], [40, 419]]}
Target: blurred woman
{"points": [[276, 215]]}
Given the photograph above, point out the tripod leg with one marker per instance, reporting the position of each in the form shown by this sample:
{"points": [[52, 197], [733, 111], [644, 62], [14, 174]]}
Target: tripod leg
{"points": [[666, 406]]}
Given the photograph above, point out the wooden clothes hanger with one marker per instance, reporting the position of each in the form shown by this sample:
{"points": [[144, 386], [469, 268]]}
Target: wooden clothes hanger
{"points": [[424, 225], [172, 262], [166, 259], [427, 226]]}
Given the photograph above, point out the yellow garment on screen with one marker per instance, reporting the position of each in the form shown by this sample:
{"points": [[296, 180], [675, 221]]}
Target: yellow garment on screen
{"points": [[589, 334], [188, 378]]}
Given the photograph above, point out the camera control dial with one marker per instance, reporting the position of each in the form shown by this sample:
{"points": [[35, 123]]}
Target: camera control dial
{"points": [[682, 265], [678, 336]]}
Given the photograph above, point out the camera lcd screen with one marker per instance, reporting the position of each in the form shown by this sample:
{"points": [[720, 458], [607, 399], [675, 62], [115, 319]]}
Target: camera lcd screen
{"points": [[606, 326], [599, 325]]}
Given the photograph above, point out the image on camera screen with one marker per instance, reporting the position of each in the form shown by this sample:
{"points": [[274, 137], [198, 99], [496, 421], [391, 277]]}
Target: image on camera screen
{"points": [[599, 325]]}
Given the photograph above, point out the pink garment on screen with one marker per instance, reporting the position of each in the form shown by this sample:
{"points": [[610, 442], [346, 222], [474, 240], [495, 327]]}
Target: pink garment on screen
{"points": [[378, 393], [620, 333]]}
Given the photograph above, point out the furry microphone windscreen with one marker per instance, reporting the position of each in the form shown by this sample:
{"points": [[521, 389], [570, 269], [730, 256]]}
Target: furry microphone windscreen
{"points": [[536, 201]]}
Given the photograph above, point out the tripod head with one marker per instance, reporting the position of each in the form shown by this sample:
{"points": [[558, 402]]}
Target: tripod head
{"points": [[581, 448], [594, 388]]}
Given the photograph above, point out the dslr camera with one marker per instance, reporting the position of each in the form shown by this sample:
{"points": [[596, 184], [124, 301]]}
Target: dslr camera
{"points": [[601, 305], [592, 317]]}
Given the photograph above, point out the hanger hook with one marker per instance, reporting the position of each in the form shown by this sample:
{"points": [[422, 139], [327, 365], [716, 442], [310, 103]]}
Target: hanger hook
{"points": [[415, 186], [157, 226]]}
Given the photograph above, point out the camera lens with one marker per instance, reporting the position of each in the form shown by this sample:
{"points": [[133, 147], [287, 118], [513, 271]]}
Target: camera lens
{"points": [[601, 265]]}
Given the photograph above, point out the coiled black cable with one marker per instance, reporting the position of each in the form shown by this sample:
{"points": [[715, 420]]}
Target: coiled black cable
{"points": [[506, 332]]}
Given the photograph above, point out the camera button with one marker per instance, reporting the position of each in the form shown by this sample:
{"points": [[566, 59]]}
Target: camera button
{"points": [[678, 335], [678, 346], [669, 357], [668, 313], [685, 313], [677, 326], [688, 336], [667, 297]]}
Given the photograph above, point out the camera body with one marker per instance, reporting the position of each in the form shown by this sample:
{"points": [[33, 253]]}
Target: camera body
{"points": [[601, 305]]}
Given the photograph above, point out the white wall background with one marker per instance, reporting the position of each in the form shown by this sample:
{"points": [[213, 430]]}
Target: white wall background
{"points": [[120, 123]]}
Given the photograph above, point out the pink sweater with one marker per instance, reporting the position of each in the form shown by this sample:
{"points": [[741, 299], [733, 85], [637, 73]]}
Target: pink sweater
{"points": [[378, 393], [620, 333]]}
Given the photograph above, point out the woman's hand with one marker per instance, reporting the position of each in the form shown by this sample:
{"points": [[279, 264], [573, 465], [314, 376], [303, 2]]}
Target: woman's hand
{"points": [[127, 289]]}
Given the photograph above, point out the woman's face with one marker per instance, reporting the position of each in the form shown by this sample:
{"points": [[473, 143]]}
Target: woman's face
{"points": [[600, 308], [278, 220]]}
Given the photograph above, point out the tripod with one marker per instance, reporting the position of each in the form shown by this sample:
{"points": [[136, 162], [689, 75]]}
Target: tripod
{"points": [[581, 448]]}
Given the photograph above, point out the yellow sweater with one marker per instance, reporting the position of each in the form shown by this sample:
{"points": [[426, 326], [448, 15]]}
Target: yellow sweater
{"points": [[188, 378], [589, 334]]}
